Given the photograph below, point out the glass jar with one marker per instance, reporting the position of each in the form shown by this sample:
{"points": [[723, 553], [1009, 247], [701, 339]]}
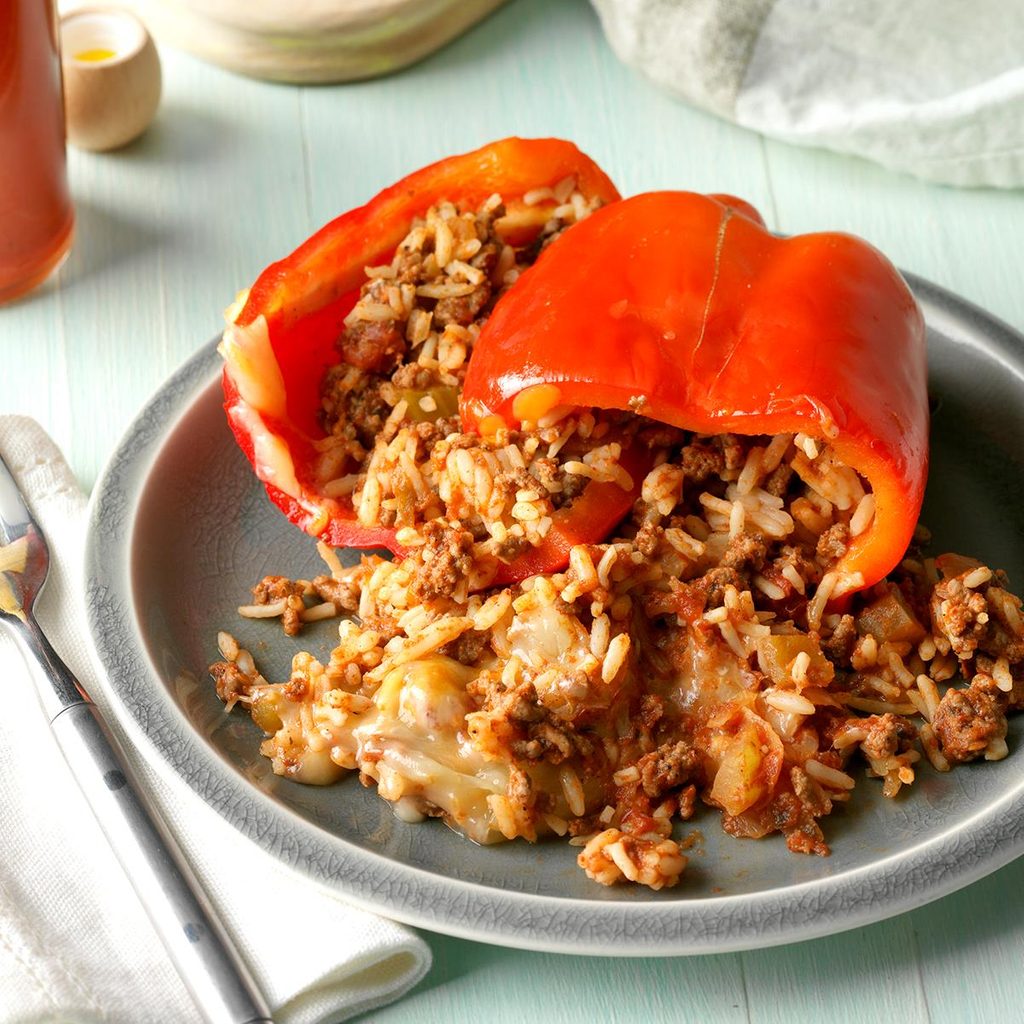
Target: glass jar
{"points": [[36, 215]]}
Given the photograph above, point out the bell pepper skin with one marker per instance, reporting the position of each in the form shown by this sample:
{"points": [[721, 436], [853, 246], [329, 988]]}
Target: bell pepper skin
{"points": [[685, 308], [588, 520], [283, 338]]}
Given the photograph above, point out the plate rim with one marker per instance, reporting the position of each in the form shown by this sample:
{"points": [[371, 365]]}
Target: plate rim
{"points": [[899, 882]]}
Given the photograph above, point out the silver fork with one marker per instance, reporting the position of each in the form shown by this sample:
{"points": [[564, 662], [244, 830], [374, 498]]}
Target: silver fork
{"points": [[211, 968]]}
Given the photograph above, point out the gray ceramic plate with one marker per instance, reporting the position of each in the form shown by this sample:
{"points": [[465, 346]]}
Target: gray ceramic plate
{"points": [[180, 530]]}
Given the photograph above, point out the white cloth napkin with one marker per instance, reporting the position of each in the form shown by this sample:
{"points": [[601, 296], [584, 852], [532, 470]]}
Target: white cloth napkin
{"points": [[931, 87], [75, 944]]}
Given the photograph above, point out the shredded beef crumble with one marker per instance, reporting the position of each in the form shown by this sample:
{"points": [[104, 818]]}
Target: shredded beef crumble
{"points": [[969, 719]]}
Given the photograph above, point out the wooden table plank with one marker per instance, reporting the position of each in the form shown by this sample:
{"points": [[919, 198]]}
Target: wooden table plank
{"points": [[868, 974], [972, 947], [471, 982], [34, 350]]}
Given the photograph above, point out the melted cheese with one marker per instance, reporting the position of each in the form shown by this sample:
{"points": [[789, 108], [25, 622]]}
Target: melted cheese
{"points": [[542, 635], [411, 739], [707, 672], [428, 696], [271, 458], [253, 368]]}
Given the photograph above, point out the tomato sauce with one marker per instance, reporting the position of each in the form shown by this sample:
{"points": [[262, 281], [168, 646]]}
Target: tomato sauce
{"points": [[36, 216]]}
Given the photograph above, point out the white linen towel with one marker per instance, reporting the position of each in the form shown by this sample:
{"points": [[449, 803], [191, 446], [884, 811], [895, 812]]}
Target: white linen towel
{"points": [[931, 87], [75, 944]]}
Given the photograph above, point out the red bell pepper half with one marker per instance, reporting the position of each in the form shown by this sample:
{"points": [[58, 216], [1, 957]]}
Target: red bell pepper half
{"points": [[686, 308], [280, 342]]}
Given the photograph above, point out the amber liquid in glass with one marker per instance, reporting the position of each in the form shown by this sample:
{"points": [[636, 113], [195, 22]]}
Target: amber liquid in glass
{"points": [[36, 216]]}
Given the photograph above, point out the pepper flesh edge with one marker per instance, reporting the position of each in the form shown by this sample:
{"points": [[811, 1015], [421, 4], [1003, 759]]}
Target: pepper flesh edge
{"points": [[893, 492]]}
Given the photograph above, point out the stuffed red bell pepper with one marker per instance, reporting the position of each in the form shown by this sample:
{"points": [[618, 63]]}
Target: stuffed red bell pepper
{"points": [[289, 329], [684, 308]]}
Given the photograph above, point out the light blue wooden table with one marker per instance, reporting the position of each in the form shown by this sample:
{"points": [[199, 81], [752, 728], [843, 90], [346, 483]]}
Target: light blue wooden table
{"points": [[235, 173]]}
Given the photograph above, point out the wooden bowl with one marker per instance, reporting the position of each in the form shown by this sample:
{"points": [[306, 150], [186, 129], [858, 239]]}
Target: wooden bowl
{"points": [[111, 77]]}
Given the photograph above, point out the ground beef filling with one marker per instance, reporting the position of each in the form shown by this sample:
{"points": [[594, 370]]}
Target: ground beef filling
{"points": [[969, 721], [389, 406], [691, 661], [687, 662]]}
